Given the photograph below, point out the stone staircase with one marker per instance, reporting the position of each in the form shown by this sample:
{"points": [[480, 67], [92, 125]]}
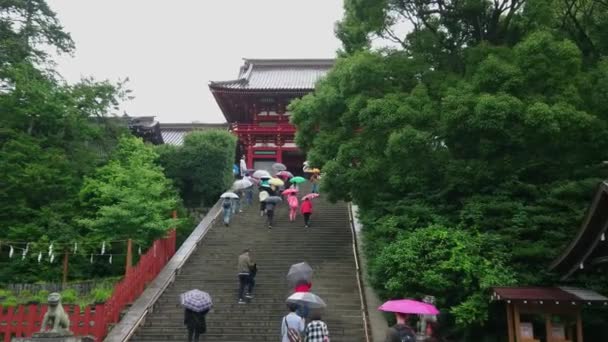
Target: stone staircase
{"points": [[326, 246]]}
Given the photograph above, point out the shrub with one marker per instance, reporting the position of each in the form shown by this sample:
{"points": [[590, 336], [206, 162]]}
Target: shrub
{"points": [[42, 296], [69, 296], [457, 266], [101, 294], [9, 301]]}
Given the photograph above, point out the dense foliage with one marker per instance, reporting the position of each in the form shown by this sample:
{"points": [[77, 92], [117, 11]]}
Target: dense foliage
{"points": [[129, 197], [53, 137], [488, 122], [202, 167]]}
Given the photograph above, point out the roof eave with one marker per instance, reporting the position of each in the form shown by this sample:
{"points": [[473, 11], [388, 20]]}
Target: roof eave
{"points": [[559, 263]]}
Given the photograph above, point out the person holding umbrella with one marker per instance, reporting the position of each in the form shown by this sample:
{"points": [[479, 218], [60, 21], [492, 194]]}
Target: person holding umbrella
{"points": [[293, 202], [306, 210], [227, 205], [316, 330], [243, 167], [314, 180], [401, 331], [402, 308], [300, 277], [263, 196], [292, 325], [271, 203], [197, 304]]}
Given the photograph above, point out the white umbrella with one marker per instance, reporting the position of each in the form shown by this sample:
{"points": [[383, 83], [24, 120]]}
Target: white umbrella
{"points": [[261, 174], [229, 195], [242, 184]]}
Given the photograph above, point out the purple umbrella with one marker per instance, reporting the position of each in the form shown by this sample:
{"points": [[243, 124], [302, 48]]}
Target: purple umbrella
{"points": [[196, 300]]}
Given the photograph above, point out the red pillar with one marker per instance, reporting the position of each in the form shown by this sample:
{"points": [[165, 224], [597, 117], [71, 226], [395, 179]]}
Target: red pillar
{"points": [[279, 151], [250, 156]]}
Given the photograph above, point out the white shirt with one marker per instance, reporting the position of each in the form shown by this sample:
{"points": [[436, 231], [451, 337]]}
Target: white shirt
{"points": [[243, 167], [293, 321]]}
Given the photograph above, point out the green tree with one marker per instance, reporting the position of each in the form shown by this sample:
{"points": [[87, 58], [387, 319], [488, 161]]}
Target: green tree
{"points": [[437, 259], [202, 168], [128, 198], [488, 119]]}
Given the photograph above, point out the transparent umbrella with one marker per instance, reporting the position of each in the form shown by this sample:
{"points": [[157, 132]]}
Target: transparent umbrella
{"points": [[279, 167], [299, 272], [309, 299], [229, 195], [262, 174]]}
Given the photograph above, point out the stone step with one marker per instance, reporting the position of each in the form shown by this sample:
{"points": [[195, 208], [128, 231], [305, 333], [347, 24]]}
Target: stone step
{"points": [[326, 246]]}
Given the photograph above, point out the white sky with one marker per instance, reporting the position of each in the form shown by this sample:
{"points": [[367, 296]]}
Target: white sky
{"points": [[170, 49]]}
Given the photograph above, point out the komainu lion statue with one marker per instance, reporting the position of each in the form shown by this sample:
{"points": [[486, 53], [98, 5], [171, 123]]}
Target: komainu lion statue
{"points": [[55, 317]]}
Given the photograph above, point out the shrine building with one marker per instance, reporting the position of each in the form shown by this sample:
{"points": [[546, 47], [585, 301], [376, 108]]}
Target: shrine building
{"points": [[255, 107]]}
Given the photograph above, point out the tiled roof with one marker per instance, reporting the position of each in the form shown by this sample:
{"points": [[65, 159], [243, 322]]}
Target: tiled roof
{"points": [[277, 74], [174, 133], [548, 294], [173, 137]]}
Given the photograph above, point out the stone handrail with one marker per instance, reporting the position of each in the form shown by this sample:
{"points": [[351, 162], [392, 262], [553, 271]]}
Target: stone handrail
{"points": [[360, 285], [136, 315]]}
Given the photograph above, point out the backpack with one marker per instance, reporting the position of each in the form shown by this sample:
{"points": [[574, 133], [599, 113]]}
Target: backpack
{"points": [[292, 334], [405, 334]]}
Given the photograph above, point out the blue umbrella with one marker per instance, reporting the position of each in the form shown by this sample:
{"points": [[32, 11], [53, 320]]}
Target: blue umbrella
{"points": [[196, 300]]}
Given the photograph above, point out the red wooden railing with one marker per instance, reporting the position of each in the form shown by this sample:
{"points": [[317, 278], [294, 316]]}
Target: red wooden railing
{"points": [[24, 320]]}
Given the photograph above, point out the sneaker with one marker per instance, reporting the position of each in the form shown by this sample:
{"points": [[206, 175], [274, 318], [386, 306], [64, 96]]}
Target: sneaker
{"points": [[261, 212], [241, 302], [306, 226], [226, 224], [269, 227], [249, 296]]}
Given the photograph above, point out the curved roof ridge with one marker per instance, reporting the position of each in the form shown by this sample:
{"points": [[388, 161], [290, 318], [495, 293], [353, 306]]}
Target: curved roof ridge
{"points": [[587, 238]]}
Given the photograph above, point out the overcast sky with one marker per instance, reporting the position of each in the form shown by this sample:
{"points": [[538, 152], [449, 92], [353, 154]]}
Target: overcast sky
{"points": [[170, 49]]}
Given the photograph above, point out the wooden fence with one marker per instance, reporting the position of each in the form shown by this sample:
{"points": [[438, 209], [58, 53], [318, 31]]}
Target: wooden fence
{"points": [[94, 320]]}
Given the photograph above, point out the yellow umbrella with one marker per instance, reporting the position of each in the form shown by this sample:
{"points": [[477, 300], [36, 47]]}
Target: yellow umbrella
{"points": [[315, 170], [276, 182]]}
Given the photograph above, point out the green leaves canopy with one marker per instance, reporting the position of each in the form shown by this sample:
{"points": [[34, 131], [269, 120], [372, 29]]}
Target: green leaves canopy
{"points": [[486, 122], [128, 198]]}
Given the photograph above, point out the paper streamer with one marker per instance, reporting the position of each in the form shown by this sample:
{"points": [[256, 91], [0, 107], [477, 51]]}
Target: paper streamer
{"points": [[91, 258], [103, 248], [52, 257], [110, 260], [39, 257], [75, 247], [50, 249], [10, 254]]}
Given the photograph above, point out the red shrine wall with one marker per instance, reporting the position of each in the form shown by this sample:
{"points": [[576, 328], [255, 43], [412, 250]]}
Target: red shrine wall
{"points": [[267, 137]]}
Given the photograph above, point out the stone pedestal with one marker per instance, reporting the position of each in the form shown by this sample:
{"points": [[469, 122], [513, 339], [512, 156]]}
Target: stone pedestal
{"points": [[54, 337]]}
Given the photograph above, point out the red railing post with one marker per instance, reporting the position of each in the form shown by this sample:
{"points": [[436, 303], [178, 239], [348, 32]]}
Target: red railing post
{"points": [[21, 323]]}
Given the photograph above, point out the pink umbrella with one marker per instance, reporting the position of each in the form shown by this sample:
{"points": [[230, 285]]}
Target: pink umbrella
{"points": [[310, 196], [409, 306], [284, 174], [290, 191]]}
